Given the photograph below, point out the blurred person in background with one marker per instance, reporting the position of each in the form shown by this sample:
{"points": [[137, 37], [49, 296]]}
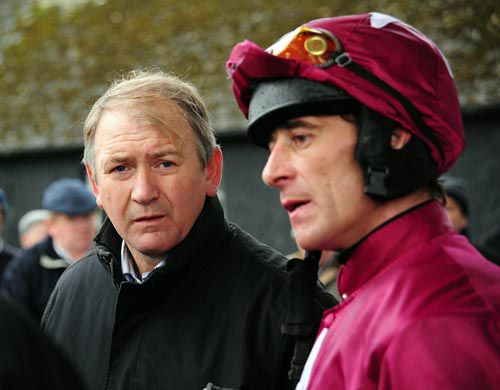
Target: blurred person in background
{"points": [[7, 252], [33, 227], [328, 272], [361, 116], [458, 209], [31, 277], [457, 203]]}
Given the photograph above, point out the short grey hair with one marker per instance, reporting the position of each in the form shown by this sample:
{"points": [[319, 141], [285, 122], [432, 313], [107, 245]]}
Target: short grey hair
{"points": [[31, 218], [144, 86]]}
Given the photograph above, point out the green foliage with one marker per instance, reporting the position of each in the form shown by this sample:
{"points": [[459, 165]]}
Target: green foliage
{"points": [[57, 61]]}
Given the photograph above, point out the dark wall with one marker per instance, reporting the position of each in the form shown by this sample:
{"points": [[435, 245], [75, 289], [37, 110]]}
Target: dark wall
{"points": [[24, 176], [247, 201], [479, 166]]}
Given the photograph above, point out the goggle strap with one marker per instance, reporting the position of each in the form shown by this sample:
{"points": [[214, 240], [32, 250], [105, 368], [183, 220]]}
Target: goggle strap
{"points": [[408, 106]]}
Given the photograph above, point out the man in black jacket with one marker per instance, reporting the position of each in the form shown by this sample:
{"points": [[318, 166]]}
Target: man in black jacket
{"points": [[173, 296]]}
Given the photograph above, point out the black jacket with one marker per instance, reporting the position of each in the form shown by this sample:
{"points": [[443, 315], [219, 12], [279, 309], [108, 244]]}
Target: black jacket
{"points": [[212, 314], [28, 360], [7, 253], [31, 276]]}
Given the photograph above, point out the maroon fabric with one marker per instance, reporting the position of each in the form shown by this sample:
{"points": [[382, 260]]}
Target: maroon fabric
{"points": [[422, 312], [395, 52]]}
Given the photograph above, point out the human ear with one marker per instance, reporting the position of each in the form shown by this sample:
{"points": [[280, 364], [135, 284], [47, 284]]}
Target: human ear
{"points": [[93, 182], [213, 172], [400, 138]]}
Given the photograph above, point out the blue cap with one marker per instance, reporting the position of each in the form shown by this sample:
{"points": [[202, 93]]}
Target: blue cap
{"points": [[68, 196], [4, 206]]}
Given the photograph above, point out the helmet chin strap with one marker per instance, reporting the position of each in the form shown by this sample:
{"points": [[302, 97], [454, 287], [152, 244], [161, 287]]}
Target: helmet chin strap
{"points": [[390, 173], [312, 256], [302, 276]]}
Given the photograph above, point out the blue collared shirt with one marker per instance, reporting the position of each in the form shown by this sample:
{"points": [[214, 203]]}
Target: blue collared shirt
{"points": [[129, 270]]}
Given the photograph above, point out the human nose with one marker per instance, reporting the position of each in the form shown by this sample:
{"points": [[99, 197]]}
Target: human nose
{"points": [[145, 187], [278, 167]]}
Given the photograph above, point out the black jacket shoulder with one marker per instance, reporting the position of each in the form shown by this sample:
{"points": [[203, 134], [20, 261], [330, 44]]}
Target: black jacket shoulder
{"points": [[28, 359], [31, 276]]}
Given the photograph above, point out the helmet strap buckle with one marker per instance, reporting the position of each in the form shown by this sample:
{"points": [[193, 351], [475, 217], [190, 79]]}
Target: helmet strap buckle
{"points": [[375, 180], [343, 59]]}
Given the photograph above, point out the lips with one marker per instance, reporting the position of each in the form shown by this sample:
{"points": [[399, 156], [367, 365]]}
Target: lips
{"points": [[292, 205], [149, 218]]}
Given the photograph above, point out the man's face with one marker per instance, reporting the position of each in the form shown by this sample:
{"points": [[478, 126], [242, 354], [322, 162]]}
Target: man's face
{"points": [[312, 164], [458, 219], [74, 233], [148, 176]]}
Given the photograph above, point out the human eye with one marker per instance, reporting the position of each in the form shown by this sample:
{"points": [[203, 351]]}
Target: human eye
{"points": [[118, 169], [300, 138], [166, 164]]}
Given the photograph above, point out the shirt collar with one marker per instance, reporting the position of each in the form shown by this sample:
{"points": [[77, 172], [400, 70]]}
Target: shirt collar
{"points": [[390, 241], [129, 270], [184, 260]]}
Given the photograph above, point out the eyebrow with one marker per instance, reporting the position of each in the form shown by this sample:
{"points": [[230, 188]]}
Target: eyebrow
{"points": [[124, 156], [294, 123], [118, 157], [166, 152]]}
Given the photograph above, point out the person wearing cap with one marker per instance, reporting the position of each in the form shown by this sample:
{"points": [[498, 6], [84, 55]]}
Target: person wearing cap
{"points": [[457, 207], [32, 227], [361, 116], [173, 296], [7, 252], [457, 203], [31, 277]]}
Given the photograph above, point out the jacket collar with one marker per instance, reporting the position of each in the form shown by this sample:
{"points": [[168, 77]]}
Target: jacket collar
{"points": [[46, 246], [387, 243], [209, 229]]}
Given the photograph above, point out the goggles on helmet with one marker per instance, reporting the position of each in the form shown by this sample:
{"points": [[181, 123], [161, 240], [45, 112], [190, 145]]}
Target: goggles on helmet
{"points": [[379, 61], [313, 45], [323, 49]]}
